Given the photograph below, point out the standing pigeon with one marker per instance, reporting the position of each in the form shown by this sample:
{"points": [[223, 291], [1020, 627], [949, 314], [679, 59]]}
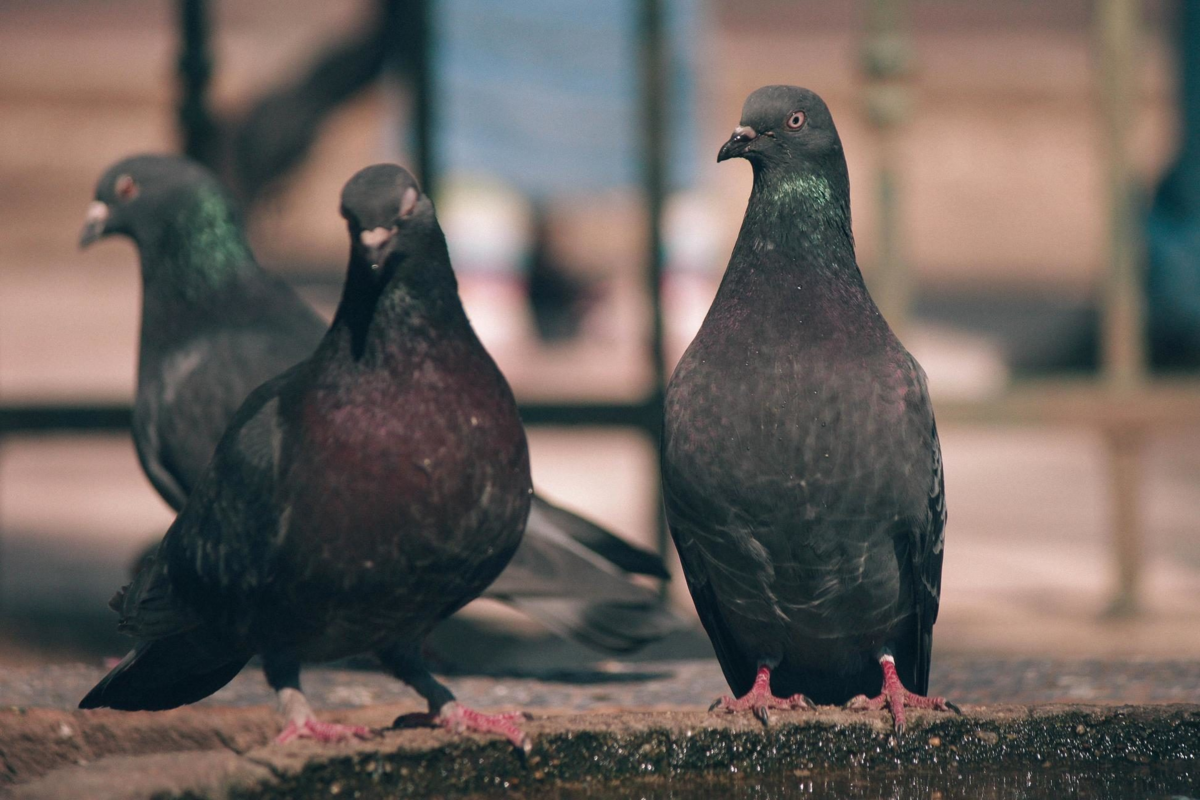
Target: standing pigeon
{"points": [[354, 501], [215, 325], [801, 465]]}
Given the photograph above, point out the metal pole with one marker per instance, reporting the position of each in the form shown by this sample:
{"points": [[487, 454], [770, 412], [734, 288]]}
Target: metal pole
{"points": [[424, 87], [1124, 352], [1123, 347], [654, 154], [1125, 484], [196, 126], [887, 60]]}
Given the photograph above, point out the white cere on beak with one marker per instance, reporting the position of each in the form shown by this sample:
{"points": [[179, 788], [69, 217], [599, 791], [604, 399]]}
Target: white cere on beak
{"points": [[97, 213], [745, 132], [408, 201], [375, 236]]}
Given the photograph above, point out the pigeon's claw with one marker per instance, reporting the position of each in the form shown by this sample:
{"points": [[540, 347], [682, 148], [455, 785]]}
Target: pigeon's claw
{"points": [[896, 698], [457, 718], [324, 732], [759, 700]]}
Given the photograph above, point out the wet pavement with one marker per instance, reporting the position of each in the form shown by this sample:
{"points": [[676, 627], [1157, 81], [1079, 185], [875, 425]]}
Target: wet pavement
{"points": [[1002, 751]]}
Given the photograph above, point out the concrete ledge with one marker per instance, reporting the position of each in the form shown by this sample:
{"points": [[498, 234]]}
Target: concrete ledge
{"points": [[228, 758]]}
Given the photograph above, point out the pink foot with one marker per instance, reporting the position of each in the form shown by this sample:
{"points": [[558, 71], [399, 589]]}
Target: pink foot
{"points": [[321, 731], [896, 698], [457, 718], [759, 699]]}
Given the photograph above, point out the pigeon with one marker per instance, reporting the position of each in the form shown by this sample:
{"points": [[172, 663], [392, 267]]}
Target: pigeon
{"points": [[801, 467], [353, 502], [215, 325]]}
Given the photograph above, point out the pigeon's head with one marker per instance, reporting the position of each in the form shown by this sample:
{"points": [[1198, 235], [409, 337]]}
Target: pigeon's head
{"points": [[388, 216], [133, 194], [781, 126]]}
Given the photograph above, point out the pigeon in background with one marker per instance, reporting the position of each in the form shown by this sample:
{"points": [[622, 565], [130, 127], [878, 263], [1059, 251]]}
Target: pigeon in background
{"points": [[353, 502], [801, 464], [215, 325]]}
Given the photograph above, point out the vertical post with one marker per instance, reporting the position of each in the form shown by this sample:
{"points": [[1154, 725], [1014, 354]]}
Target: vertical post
{"points": [[1125, 481], [423, 93], [197, 128], [887, 61], [1123, 347], [653, 68]]}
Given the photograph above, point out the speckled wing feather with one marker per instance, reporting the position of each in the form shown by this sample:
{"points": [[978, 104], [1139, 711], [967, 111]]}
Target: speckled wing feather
{"points": [[184, 408], [928, 544], [215, 548], [736, 663], [219, 549], [194, 377]]}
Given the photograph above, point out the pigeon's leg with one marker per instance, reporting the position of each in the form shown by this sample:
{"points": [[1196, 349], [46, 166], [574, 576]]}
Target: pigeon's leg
{"points": [[283, 674], [405, 663], [896, 698], [759, 699]]}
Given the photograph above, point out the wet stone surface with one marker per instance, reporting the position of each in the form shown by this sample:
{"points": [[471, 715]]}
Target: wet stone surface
{"points": [[1004, 751], [624, 729]]}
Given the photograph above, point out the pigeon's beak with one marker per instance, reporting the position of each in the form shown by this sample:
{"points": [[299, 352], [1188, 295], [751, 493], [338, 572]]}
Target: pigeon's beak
{"points": [[742, 136], [95, 224], [375, 245], [378, 243]]}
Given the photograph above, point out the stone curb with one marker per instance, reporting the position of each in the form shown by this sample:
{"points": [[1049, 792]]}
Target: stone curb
{"points": [[581, 749]]}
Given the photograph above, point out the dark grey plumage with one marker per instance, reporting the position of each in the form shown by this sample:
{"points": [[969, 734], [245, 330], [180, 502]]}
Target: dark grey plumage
{"points": [[215, 326], [353, 502], [801, 463]]}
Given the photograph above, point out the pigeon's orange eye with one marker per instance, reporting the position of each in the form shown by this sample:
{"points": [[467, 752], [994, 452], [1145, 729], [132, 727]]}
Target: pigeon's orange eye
{"points": [[126, 188], [795, 120]]}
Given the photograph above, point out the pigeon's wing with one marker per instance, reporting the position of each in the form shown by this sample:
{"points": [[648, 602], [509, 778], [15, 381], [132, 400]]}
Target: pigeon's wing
{"points": [[190, 608], [690, 519], [178, 658], [549, 563], [219, 549], [189, 391], [550, 522], [200, 388], [611, 626], [737, 666], [927, 550], [164, 477], [149, 608], [927, 537], [211, 546], [579, 592], [185, 400]]}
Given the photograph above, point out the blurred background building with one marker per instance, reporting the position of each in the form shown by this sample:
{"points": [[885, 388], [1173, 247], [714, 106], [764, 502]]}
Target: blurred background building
{"points": [[980, 139]]}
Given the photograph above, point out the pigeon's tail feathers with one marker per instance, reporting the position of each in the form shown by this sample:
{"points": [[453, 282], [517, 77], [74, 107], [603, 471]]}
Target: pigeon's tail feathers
{"points": [[167, 673], [549, 520], [612, 627], [576, 579]]}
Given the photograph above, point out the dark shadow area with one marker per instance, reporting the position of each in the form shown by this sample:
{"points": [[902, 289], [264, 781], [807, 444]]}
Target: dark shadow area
{"points": [[53, 607]]}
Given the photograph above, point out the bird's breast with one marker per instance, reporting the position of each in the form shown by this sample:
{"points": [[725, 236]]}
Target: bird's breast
{"points": [[795, 470], [410, 482]]}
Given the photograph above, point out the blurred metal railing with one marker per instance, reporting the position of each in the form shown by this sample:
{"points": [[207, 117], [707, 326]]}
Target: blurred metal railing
{"points": [[198, 132], [1123, 402]]}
